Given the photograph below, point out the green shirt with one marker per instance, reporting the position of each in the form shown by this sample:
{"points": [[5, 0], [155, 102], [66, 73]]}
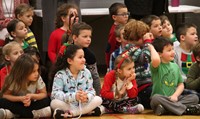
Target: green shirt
{"points": [[165, 78]]}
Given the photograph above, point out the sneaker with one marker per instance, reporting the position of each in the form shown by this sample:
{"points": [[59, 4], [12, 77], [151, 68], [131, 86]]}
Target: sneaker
{"points": [[2, 114], [160, 110], [193, 110], [9, 114], [57, 114], [44, 112], [134, 109], [60, 114], [6, 114], [98, 111]]}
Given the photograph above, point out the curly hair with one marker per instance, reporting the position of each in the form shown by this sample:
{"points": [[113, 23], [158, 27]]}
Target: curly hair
{"points": [[134, 30]]}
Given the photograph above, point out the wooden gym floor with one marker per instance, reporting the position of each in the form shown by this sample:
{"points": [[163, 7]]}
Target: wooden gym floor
{"points": [[147, 114]]}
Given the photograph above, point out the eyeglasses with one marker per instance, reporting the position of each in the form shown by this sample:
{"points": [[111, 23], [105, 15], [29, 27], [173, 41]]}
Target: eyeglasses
{"points": [[124, 14]]}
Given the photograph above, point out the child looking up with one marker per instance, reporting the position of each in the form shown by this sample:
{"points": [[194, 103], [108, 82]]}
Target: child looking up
{"points": [[186, 34], [72, 91], [18, 31], [24, 92], [167, 30], [119, 91], [154, 24], [119, 13], [24, 13], [66, 15], [11, 52], [168, 83]]}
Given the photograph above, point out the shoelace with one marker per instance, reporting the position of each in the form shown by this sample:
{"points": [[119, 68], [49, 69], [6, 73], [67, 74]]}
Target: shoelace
{"points": [[80, 109]]}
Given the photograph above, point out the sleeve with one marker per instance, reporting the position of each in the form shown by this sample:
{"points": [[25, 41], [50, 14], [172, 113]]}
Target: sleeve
{"points": [[106, 91], [58, 91], [112, 60], [193, 79], [40, 83], [52, 47], [133, 92], [89, 84]]}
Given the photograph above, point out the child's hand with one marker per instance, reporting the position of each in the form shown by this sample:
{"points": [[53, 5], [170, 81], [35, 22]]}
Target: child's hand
{"points": [[81, 96], [73, 17], [26, 100], [130, 78], [173, 98], [148, 36]]}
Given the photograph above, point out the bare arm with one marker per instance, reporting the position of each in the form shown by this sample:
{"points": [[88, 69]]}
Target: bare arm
{"points": [[38, 96], [177, 93], [7, 95]]}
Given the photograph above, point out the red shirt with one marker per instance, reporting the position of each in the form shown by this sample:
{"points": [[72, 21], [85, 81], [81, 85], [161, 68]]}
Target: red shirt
{"points": [[109, 81], [54, 43], [3, 73], [112, 45]]}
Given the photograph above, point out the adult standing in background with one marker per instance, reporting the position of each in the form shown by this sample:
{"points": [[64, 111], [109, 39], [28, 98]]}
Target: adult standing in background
{"points": [[140, 8]]}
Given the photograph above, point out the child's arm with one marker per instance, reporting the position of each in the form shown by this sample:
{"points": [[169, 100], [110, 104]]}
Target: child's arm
{"points": [[8, 95], [132, 90], [106, 91], [177, 93], [38, 96], [155, 58]]}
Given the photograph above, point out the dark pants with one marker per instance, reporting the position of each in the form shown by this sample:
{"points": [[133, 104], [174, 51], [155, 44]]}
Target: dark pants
{"points": [[117, 106], [144, 97], [18, 108]]}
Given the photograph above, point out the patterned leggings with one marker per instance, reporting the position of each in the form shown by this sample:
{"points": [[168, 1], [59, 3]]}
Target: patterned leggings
{"points": [[117, 106]]}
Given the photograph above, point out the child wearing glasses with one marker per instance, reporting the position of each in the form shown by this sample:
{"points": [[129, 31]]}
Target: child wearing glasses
{"points": [[119, 13]]}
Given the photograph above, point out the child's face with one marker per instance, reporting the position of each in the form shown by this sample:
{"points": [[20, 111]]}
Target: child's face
{"points": [[168, 54], [20, 31], [121, 38], [127, 71], [156, 28], [122, 16], [67, 18], [35, 73], [83, 39], [167, 29], [27, 17], [78, 62], [191, 38], [16, 51]]}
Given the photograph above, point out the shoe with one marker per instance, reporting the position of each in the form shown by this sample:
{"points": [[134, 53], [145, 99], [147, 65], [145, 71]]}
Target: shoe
{"points": [[134, 109], [9, 114], [57, 114], [98, 111], [6, 114], [44, 112], [160, 110], [60, 114], [2, 114], [193, 110]]}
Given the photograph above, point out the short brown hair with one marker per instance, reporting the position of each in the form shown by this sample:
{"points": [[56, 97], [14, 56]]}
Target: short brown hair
{"points": [[134, 30]]}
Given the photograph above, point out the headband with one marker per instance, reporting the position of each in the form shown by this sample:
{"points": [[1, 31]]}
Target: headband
{"points": [[125, 55]]}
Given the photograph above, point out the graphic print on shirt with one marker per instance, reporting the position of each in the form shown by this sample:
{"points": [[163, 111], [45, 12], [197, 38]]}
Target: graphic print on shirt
{"points": [[187, 61]]}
